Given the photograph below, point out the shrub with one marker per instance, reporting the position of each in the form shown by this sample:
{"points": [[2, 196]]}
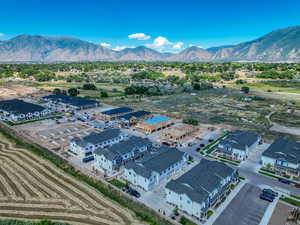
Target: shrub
{"points": [[89, 87]]}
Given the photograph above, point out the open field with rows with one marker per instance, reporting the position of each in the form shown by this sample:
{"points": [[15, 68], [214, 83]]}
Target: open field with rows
{"points": [[32, 188]]}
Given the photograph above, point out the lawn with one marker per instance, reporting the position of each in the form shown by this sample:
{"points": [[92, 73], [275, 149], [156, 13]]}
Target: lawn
{"points": [[117, 183], [291, 201]]}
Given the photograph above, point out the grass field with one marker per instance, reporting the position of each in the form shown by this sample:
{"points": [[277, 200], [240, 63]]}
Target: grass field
{"points": [[273, 86], [286, 119]]}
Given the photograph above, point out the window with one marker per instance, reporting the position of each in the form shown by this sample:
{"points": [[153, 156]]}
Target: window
{"points": [[188, 201]]}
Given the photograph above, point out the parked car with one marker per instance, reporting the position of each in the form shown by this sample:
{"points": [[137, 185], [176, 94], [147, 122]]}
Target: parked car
{"points": [[297, 185], [202, 145], [134, 193], [266, 197], [269, 191], [283, 180]]}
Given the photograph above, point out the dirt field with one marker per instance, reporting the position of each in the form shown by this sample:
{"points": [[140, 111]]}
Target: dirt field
{"points": [[280, 215], [54, 136], [16, 91], [33, 189]]}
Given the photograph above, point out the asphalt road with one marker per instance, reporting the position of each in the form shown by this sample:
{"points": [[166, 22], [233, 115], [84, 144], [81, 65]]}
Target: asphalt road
{"points": [[246, 208]]}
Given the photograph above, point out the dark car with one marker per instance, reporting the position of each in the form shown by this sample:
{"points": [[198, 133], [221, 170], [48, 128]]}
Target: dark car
{"points": [[266, 197], [202, 145], [270, 192], [134, 193], [297, 185], [285, 181]]}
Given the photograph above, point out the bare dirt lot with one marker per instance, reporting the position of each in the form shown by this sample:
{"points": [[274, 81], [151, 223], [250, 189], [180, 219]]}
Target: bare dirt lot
{"points": [[52, 135], [16, 91], [33, 189], [280, 214]]}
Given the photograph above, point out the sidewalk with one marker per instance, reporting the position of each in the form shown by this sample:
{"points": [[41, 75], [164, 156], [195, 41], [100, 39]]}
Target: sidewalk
{"points": [[268, 214], [223, 206]]}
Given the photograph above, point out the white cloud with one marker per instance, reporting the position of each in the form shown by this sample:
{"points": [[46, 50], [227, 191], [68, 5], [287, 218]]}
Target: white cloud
{"points": [[139, 36], [120, 48], [178, 45], [2, 34], [159, 42], [105, 45]]}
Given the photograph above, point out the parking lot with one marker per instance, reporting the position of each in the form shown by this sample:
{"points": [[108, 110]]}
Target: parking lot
{"points": [[245, 209]]}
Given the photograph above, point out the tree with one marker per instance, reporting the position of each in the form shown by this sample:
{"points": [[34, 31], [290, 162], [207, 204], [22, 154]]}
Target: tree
{"points": [[56, 91], [191, 121], [245, 89], [103, 94], [73, 92]]}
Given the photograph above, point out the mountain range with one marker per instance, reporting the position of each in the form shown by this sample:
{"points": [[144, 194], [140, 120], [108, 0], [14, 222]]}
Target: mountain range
{"points": [[278, 46]]}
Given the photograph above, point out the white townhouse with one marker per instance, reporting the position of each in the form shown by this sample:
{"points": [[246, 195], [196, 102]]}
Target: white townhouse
{"points": [[110, 159], [15, 110], [237, 144], [85, 146], [283, 156], [155, 168], [200, 188]]}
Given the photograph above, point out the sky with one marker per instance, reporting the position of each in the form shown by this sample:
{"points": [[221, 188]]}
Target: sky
{"points": [[164, 25]]}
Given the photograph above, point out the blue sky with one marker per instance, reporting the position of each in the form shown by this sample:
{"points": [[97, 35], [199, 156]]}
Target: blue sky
{"points": [[166, 25]]}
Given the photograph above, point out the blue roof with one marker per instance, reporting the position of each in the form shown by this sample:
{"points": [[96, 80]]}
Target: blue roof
{"points": [[136, 114], [117, 111], [157, 119]]}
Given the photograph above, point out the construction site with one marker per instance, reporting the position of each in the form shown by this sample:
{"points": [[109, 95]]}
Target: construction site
{"points": [[54, 135]]}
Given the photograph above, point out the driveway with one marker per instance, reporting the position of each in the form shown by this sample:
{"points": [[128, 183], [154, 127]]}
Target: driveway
{"points": [[252, 163], [245, 209]]}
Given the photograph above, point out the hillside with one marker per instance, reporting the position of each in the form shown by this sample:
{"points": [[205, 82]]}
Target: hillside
{"points": [[278, 46]]}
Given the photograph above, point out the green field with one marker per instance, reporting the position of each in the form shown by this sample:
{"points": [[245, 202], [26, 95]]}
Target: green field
{"points": [[273, 86]]}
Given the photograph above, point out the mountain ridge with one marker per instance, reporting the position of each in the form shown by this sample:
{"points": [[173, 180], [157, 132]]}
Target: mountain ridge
{"points": [[282, 45]]}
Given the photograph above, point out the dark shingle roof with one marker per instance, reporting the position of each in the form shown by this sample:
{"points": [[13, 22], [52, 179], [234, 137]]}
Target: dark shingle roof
{"points": [[201, 180], [71, 100], [16, 106], [240, 139], [111, 112], [96, 138], [158, 161], [124, 147], [284, 149], [136, 114]]}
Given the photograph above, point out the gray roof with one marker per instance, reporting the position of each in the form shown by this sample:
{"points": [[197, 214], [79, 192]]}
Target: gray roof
{"points": [[157, 161], [239, 139], [124, 147], [201, 180], [16, 106], [97, 137], [284, 149]]}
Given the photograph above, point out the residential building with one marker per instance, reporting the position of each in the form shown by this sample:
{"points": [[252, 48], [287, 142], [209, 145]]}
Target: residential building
{"points": [[85, 146], [64, 102], [201, 187], [113, 114], [155, 123], [155, 168], [283, 156], [237, 144], [111, 158], [15, 110]]}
